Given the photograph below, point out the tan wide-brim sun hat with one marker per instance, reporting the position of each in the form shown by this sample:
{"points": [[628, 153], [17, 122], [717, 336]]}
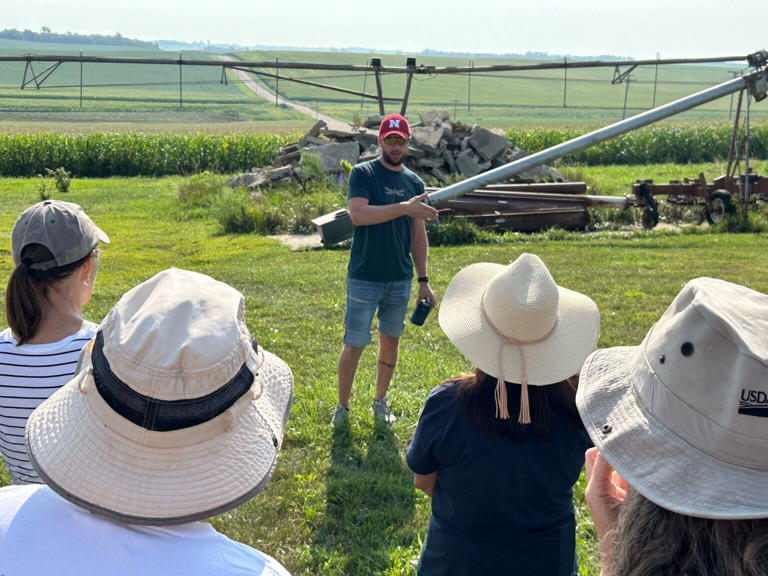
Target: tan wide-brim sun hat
{"points": [[683, 417], [178, 417], [515, 321]]}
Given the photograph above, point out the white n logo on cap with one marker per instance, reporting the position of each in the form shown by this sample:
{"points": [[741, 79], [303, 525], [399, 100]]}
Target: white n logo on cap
{"points": [[394, 123]]}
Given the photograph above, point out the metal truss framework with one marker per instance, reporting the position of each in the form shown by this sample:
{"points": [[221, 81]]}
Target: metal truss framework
{"points": [[272, 70]]}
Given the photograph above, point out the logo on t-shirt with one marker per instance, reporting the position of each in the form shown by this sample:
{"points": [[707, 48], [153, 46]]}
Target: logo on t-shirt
{"points": [[394, 191]]}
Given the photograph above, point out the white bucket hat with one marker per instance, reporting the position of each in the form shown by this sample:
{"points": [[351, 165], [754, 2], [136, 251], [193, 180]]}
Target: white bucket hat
{"points": [[180, 416], [515, 324], [683, 417]]}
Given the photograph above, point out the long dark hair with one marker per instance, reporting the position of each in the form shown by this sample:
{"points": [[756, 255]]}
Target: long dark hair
{"points": [[652, 541], [475, 401], [28, 288]]}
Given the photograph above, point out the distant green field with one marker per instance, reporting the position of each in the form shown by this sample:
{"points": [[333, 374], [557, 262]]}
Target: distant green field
{"points": [[509, 99], [129, 97]]}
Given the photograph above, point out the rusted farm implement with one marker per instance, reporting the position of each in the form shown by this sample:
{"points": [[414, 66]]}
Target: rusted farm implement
{"points": [[510, 207]]}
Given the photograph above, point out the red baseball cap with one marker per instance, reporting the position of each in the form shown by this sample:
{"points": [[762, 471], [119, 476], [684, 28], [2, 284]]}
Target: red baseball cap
{"points": [[394, 124]]}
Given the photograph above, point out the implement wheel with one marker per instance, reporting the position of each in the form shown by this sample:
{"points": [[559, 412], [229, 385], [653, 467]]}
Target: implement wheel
{"points": [[650, 217], [721, 205]]}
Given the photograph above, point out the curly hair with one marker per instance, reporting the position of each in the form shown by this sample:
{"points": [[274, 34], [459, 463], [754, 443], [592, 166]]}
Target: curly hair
{"points": [[652, 541]]}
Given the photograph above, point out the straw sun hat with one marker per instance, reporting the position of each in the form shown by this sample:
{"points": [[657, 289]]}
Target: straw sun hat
{"points": [[180, 417], [515, 324], [683, 417]]}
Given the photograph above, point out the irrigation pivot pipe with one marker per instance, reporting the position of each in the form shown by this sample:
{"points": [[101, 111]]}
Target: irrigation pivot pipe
{"points": [[595, 137]]}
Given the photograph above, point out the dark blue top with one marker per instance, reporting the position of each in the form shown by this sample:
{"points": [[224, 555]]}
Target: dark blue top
{"points": [[382, 252], [499, 507]]}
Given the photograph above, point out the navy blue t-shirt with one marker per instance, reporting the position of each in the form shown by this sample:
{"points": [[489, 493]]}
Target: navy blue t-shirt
{"points": [[499, 507], [382, 252]]}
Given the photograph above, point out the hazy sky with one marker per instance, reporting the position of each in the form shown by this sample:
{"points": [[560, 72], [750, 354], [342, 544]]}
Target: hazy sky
{"points": [[673, 28]]}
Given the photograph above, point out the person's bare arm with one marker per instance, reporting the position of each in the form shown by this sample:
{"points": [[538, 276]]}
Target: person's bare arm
{"points": [[419, 251], [364, 214], [605, 493], [425, 482]]}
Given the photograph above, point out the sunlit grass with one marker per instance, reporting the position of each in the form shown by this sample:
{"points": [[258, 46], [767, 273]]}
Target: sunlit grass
{"points": [[345, 504]]}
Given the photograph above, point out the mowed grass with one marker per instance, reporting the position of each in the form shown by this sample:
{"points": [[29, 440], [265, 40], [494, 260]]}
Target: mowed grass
{"points": [[345, 503]]}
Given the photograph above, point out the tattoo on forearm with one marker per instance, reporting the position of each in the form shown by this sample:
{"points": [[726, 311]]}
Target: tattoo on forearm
{"points": [[387, 364]]}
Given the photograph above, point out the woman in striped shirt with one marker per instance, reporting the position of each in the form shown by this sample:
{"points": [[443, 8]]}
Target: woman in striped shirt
{"points": [[55, 250]]}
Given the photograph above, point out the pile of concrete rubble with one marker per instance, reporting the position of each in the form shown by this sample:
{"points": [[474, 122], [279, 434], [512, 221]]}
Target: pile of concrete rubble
{"points": [[439, 150]]}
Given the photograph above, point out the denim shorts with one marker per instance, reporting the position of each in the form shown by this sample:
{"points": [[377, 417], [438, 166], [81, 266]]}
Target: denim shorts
{"points": [[364, 299]]}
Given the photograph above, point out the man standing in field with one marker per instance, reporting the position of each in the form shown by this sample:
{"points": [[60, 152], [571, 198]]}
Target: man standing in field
{"points": [[385, 205]]}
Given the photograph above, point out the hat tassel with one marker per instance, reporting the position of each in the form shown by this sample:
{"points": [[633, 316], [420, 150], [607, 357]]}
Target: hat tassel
{"points": [[500, 394], [501, 399], [525, 411]]}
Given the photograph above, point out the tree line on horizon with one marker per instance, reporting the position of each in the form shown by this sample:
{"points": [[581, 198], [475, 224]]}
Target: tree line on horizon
{"points": [[46, 35]]}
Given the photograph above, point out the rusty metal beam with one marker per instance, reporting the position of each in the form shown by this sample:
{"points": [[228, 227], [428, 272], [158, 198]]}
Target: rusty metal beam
{"points": [[410, 63], [734, 135], [315, 84], [421, 69], [40, 78], [619, 76]]}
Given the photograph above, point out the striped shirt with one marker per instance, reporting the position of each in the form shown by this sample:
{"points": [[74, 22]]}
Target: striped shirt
{"points": [[29, 374]]}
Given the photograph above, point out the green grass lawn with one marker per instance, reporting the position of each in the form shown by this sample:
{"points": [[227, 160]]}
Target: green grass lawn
{"points": [[345, 504]]}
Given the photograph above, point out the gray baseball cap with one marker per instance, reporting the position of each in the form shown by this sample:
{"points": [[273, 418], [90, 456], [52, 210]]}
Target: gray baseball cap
{"points": [[62, 227]]}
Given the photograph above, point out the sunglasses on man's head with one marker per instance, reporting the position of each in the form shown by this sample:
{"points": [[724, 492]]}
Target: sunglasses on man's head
{"points": [[395, 141]]}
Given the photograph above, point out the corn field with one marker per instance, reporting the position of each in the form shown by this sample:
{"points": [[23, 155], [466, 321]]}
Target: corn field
{"points": [[137, 154], [657, 144]]}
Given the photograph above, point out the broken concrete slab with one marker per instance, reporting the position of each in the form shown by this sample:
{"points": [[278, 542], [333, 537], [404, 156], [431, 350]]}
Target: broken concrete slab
{"points": [[317, 128], [340, 132], [427, 137], [287, 158], [367, 138], [487, 144], [449, 160], [430, 162], [279, 173], [332, 154], [467, 164], [414, 151], [447, 130], [438, 149], [430, 118], [542, 173], [373, 121], [249, 179], [440, 174], [315, 140]]}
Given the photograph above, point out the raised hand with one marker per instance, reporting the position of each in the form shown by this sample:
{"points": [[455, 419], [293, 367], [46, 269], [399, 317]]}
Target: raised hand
{"points": [[606, 492], [415, 208]]}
